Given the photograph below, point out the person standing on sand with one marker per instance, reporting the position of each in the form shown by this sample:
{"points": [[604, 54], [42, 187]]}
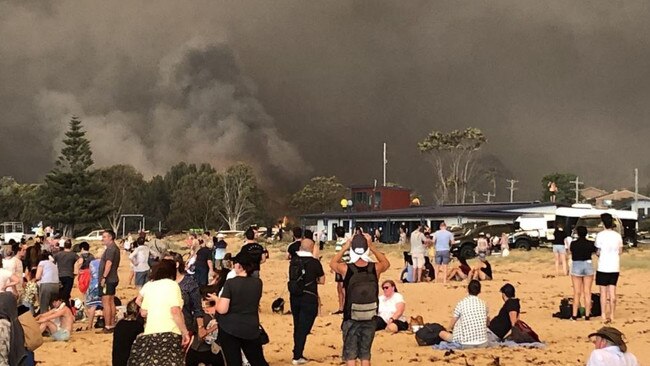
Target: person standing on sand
{"points": [[443, 240], [417, 252], [305, 274], [340, 291], [361, 283], [559, 248], [582, 271], [109, 279], [609, 244]]}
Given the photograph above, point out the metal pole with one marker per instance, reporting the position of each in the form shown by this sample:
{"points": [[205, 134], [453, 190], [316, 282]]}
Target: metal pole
{"points": [[385, 161], [512, 188], [636, 189], [123, 225]]}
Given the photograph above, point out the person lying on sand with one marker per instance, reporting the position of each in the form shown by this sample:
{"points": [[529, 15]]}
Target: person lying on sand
{"points": [[58, 321]]}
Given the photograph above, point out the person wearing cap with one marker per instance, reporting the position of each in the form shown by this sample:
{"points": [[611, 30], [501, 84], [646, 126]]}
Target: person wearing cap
{"points": [[219, 247], [610, 349], [418, 250], [358, 325], [609, 244], [238, 309]]}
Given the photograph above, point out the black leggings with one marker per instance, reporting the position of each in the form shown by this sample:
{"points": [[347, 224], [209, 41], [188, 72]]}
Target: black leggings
{"points": [[194, 358], [232, 346]]}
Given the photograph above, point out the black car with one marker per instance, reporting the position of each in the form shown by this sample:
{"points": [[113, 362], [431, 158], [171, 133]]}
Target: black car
{"points": [[464, 246]]}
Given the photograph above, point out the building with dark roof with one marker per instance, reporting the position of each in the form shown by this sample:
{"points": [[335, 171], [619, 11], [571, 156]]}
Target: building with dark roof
{"points": [[388, 222]]}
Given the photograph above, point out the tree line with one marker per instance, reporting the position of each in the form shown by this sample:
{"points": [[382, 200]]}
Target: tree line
{"points": [[74, 196]]}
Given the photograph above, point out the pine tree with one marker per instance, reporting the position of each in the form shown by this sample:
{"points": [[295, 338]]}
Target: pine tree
{"points": [[72, 194]]}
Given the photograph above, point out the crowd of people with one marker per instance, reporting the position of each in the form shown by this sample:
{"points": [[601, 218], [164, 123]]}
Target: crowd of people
{"points": [[203, 307]]}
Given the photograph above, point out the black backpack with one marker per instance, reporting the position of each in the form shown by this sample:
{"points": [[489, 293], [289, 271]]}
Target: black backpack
{"points": [[296, 284], [429, 334], [362, 292]]}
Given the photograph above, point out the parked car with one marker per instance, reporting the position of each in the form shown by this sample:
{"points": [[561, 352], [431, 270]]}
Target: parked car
{"points": [[464, 246], [95, 235]]}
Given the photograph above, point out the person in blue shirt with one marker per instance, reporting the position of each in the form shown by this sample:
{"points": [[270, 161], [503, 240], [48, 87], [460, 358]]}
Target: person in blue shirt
{"points": [[443, 239]]}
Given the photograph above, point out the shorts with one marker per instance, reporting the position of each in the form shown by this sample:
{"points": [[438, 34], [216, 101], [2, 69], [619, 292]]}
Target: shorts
{"points": [[606, 278], [559, 248], [108, 289], [141, 278], [418, 260], [443, 257], [338, 278], [381, 324], [357, 339], [61, 335], [582, 268]]}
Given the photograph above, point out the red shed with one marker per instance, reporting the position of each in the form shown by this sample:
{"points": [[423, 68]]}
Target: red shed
{"points": [[371, 198]]}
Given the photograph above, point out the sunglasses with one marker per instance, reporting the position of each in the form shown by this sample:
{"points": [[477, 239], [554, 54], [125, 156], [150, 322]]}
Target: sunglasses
{"points": [[386, 287]]}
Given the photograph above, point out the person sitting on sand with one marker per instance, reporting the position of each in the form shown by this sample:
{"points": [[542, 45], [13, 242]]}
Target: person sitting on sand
{"points": [[610, 349], [58, 321], [509, 313], [469, 321], [126, 331], [390, 315], [461, 272], [483, 271]]}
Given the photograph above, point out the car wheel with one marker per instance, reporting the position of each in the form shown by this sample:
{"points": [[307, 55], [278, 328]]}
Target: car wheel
{"points": [[467, 251], [523, 244]]}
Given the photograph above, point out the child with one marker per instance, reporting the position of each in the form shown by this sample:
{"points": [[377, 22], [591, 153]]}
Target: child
{"points": [[126, 331], [29, 297]]}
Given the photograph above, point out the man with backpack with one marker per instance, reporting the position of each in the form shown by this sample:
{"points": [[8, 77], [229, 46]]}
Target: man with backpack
{"points": [[361, 284], [305, 274]]}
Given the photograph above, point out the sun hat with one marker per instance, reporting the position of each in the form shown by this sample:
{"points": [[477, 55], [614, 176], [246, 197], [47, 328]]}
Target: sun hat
{"points": [[613, 335]]}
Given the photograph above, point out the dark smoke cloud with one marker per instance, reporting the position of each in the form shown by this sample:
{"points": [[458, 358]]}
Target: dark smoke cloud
{"points": [[556, 86]]}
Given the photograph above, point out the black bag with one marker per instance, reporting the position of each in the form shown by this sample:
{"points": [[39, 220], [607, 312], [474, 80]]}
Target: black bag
{"points": [[595, 305], [362, 292], [429, 334], [566, 309], [264, 337], [296, 284], [278, 305]]}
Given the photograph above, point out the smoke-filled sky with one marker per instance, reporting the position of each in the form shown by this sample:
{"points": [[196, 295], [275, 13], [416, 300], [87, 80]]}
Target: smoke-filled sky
{"points": [[303, 88]]}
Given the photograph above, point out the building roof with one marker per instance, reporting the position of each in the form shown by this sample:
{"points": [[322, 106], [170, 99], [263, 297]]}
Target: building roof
{"points": [[504, 210], [620, 195], [371, 186], [592, 192]]}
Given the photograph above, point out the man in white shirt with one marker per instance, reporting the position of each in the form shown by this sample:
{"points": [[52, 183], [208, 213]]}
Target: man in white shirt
{"points": [[470, 320], [610, 349], [610, 246], [417, 252]]}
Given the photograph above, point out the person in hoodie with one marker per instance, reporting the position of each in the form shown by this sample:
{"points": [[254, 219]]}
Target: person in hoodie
{"points": [[509, 313]]}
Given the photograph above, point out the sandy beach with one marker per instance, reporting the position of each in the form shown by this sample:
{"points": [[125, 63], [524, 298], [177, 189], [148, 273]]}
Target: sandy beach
{"points": [[532, 273]]}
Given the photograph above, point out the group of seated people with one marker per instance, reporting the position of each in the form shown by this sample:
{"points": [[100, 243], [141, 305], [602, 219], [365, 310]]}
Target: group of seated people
{"points": [[470, 323], [481, 272]]}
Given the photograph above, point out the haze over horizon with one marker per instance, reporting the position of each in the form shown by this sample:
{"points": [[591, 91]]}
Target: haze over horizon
{"points": [[299, 89]]}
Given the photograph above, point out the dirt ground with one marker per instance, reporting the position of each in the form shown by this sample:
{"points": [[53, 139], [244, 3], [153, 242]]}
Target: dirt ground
{"points": [[532, 273]]}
